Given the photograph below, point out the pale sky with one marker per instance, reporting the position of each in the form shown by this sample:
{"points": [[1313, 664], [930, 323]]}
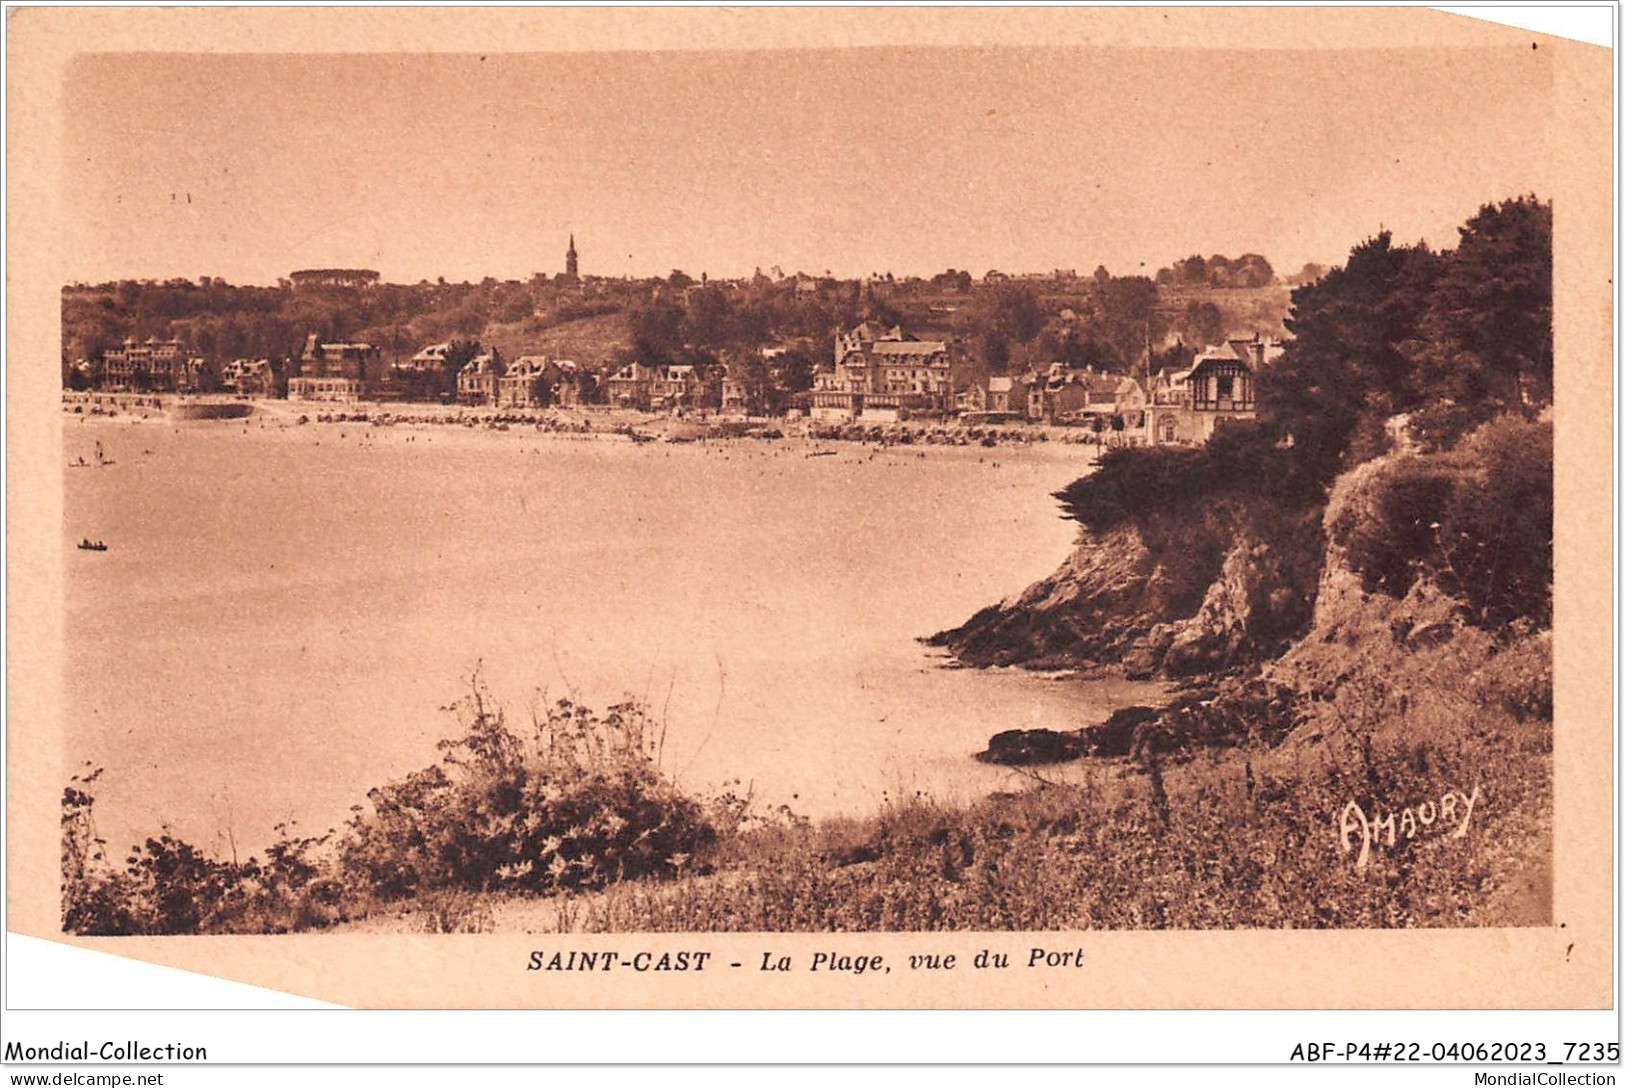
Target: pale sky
{"points": [[854, 160]]}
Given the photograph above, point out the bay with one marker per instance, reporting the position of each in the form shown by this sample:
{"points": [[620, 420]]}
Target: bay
{"points": [[283, 611]]}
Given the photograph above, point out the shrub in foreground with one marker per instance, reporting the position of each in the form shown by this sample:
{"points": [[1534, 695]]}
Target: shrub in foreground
{"points": [[168, 886], [575, 801]]}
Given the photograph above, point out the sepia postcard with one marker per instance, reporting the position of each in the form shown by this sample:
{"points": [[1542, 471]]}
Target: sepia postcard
{"points": [[820, 508]]}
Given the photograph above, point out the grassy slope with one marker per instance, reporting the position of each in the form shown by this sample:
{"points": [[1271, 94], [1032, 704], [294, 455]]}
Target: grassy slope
{"points": [[1246, 309], [1212, 853], [588, 340], [1230, 839]]}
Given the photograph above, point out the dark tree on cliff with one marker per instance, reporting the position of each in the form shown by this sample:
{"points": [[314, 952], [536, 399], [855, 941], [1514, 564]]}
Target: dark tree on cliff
{"points": [[1486, 346], [1347, 359], [1455, 338], [1136, 484], [1248, 270]]}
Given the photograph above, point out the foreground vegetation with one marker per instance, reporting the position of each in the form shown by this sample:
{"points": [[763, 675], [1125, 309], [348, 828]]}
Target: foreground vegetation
{"points": [[572, 813], [573, 802], [1224, 829]]}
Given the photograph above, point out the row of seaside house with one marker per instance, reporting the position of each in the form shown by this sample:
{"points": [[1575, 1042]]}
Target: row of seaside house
{"points": [[1170, 406], [881, 375], [166, 366], [337, 371], [353, 372], [877, 374], [154, 365]]}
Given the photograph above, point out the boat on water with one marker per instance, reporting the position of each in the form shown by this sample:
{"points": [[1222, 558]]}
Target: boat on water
{"points": [[823, 453], [88, 545]]}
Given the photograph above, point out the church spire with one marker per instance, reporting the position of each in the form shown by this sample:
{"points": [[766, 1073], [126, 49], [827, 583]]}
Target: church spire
{"points": [[570, 270]]}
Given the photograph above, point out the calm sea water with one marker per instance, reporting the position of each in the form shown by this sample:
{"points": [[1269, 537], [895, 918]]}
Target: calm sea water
{"points": [[282, 612]]}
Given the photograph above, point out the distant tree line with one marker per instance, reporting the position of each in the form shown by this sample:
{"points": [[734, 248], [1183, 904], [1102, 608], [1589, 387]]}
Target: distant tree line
{"points": [[1247, 270]]}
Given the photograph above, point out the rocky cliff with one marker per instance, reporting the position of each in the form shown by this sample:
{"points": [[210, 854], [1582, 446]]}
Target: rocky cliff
{"points": [[1278, 627], [1173, 595]]}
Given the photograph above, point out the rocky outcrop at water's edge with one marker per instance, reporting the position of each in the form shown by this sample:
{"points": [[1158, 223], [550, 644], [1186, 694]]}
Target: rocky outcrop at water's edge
{"points": [[1175, 596], [1315, 622]]}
